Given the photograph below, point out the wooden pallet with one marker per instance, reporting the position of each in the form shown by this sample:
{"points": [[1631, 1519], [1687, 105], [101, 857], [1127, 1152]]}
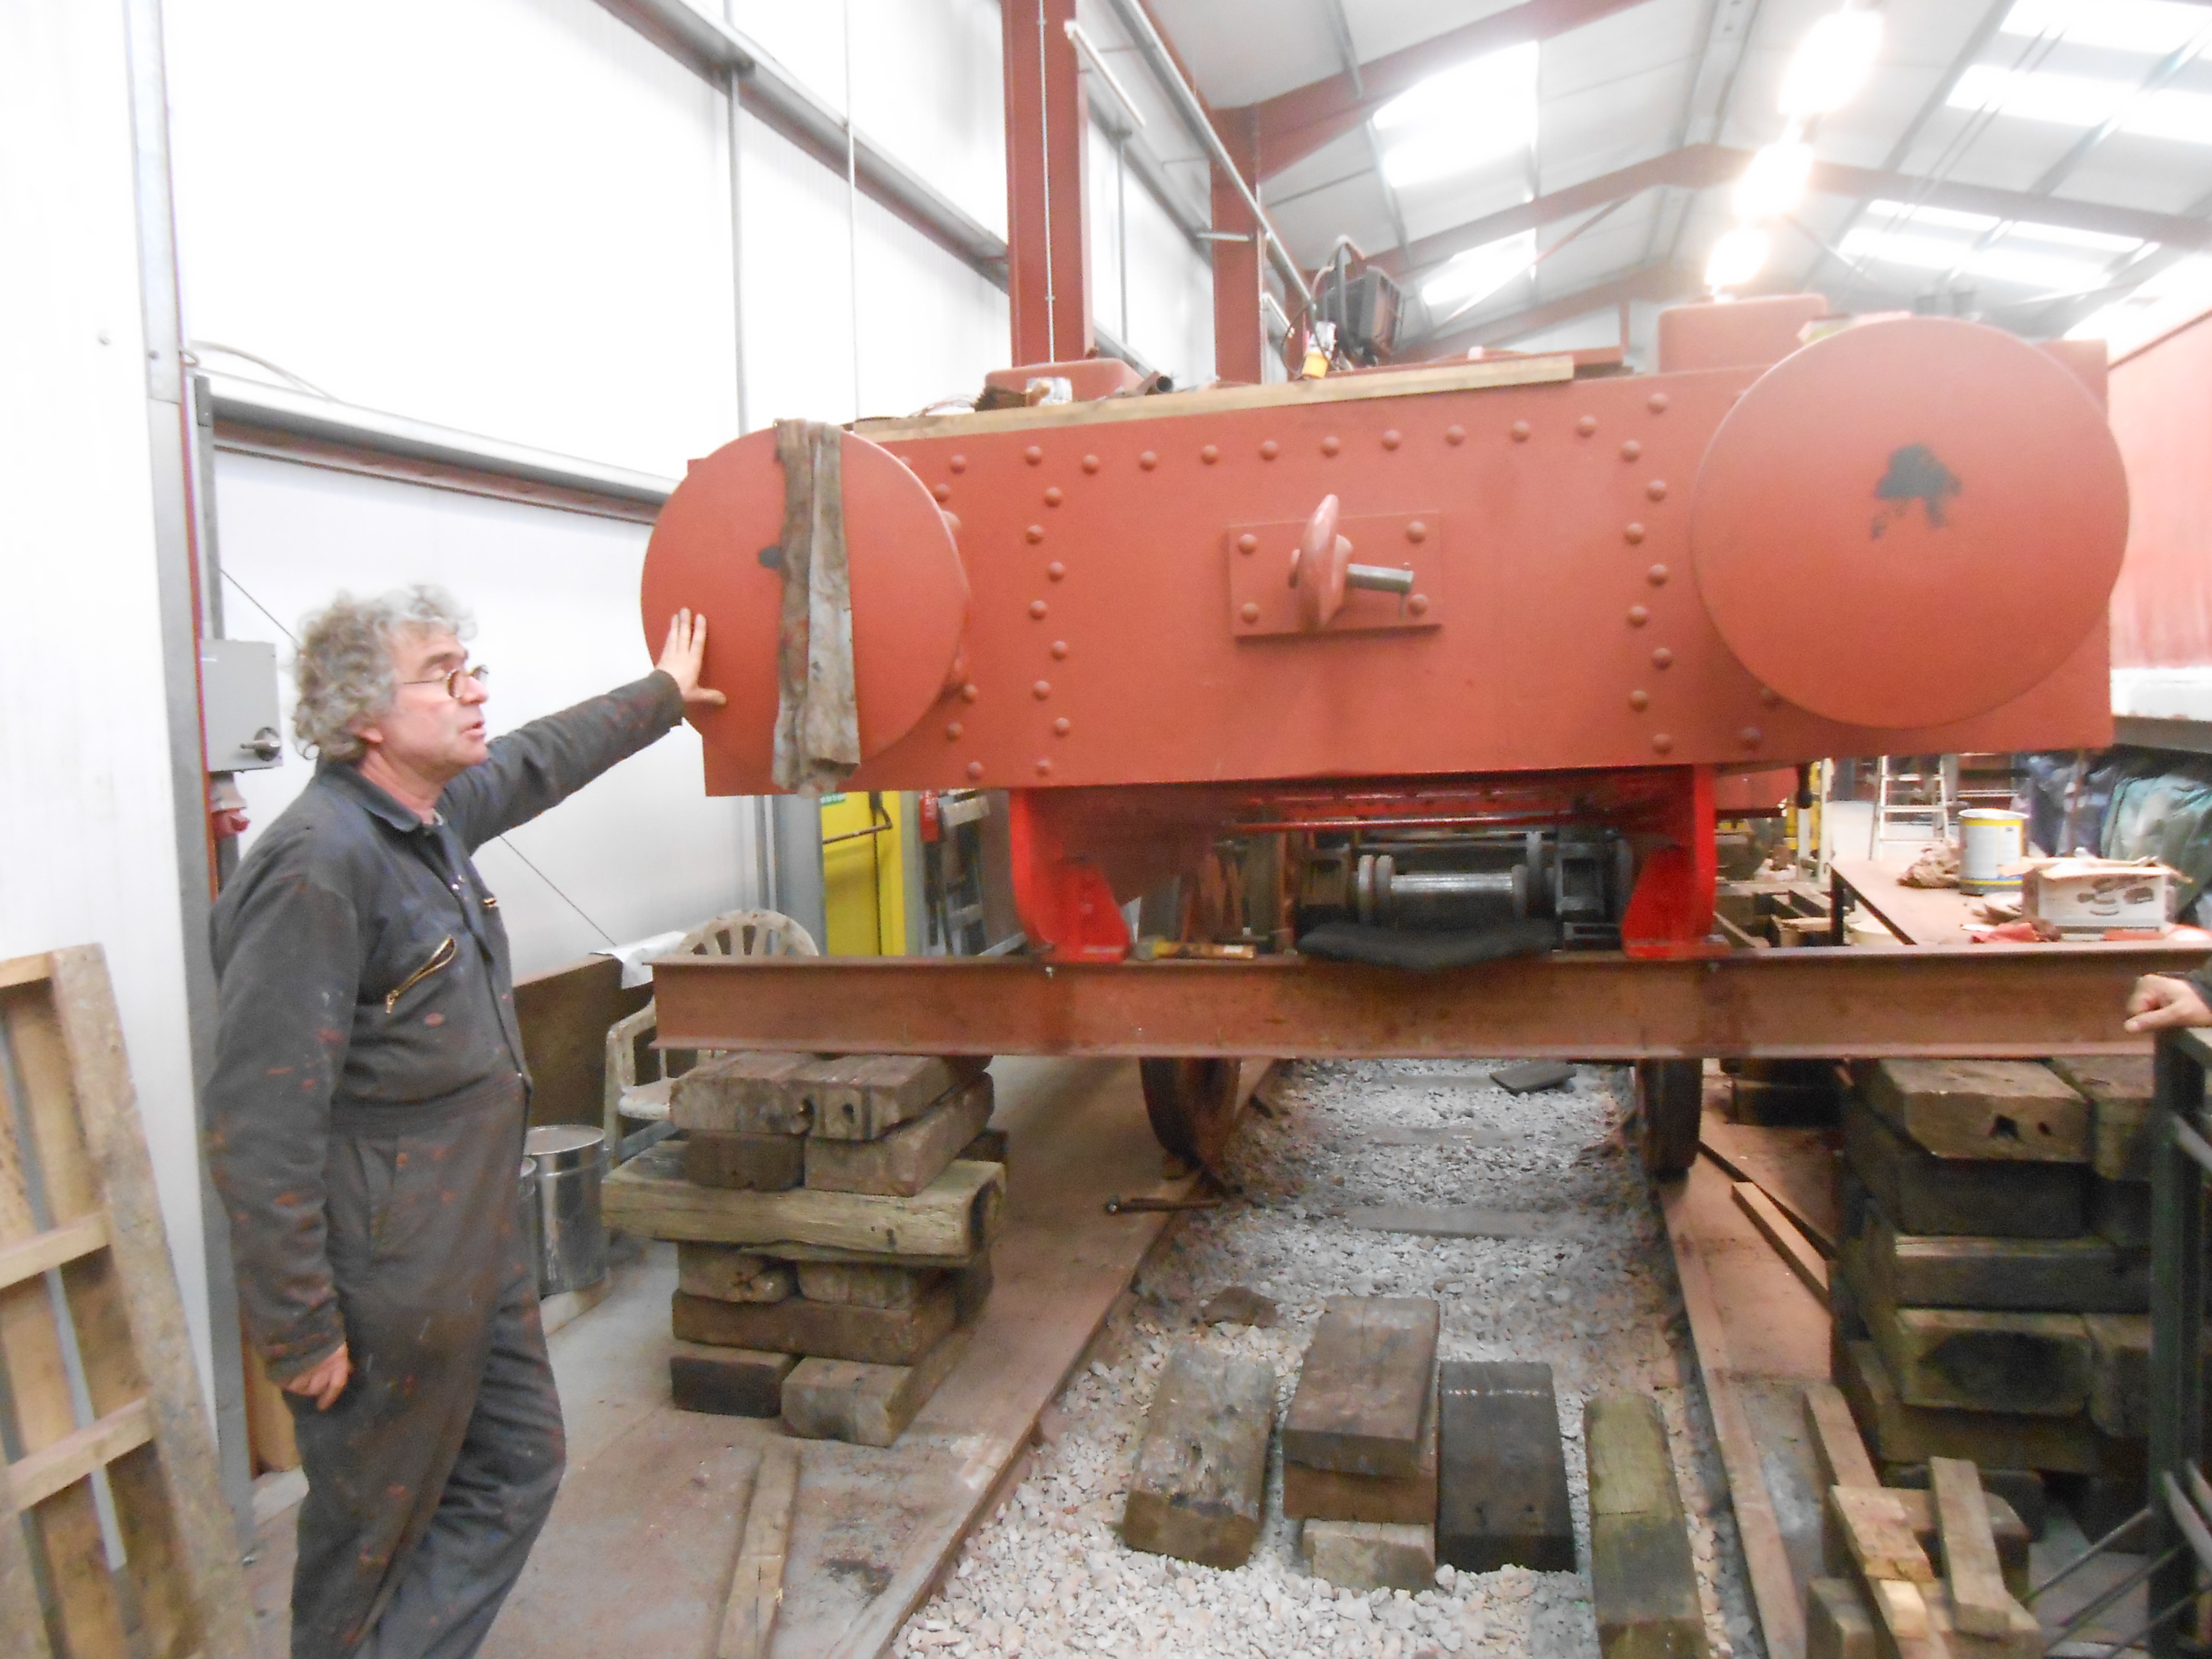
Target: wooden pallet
{"points": [[97, 1380]]}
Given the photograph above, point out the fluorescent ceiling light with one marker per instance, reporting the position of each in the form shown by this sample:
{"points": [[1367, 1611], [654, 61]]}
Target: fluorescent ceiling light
{"points": [[2043, 271], [1774, 181], [1832, 62], [1737, 258], [2154, 27], [2085, 100], [1458, 119], [1480, 272], [2164, 301]]}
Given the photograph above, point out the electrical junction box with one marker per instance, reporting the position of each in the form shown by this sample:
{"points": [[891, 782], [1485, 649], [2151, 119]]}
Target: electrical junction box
{"points": [[238, 705]]}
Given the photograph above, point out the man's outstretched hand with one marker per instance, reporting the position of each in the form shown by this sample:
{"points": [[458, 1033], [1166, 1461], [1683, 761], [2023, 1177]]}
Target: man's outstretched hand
{"points": [[325, 1381], [2159, 1002], [682, 657]]}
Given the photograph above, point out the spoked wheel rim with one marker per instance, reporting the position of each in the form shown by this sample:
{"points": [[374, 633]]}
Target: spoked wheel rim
{"points": [[1192, 1104]]}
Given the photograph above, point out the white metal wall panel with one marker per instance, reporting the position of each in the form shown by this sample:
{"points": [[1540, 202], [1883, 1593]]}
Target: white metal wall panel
{"points": [[554, 595], [510, 217], [88, 856]]}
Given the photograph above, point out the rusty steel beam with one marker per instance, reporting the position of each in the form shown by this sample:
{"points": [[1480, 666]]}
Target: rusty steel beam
{"points": [[1988, 1001]]}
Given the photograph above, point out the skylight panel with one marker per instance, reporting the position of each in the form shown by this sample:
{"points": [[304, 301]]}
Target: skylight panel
{"points": [[2070, 100], [2171, 113], [2052, 273], [1461, 118], [1480, 272], [2164, 301], [1948, 217], [1928, 253], [2067, 236], [2154, 27]]}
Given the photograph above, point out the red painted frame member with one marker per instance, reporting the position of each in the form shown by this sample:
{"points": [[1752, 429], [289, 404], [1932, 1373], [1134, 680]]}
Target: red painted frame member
{"points": [[1583, 598]]}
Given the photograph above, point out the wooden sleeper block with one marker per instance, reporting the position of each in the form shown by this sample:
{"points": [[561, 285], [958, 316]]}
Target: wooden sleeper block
{"points": [[2119, 1090], [1365, 1387], [1900, 1433], [1371, 1555], [1310, 1494], [2120, 1212], [947, 1224], [1502, 1493], [1838, 1623], [2036, 1364], [732, 1275], [2023, 1275], [906, 1159], [989, 1147], [727, 1382], [864, 1404], [742, 1094], [759, 1164], [1924, 1193], [1643, 1585], [1998, 1110], [864, 1097], [874, 1336], [1199, 1490], [2006, 1528], [863, 1286]]}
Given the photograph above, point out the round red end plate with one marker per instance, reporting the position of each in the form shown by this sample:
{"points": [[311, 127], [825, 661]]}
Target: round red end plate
{"points": [[1910, 522], [910, 590]]}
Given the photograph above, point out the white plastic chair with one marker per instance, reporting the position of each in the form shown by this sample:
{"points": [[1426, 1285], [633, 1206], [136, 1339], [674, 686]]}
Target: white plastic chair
{"points": [[737, 933]]}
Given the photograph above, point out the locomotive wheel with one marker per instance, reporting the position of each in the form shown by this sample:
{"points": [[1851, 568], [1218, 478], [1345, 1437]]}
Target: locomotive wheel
{"points": [[1193, 1106], [1669, 1102]]}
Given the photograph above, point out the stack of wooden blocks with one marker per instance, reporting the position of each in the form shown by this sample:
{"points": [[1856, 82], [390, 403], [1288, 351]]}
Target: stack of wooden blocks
{"points": [[1881, 1597], [1994, 1288], [833, 1220]]}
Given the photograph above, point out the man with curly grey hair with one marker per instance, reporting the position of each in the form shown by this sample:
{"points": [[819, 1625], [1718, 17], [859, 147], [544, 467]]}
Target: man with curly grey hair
{"points": [[366, 1119]]}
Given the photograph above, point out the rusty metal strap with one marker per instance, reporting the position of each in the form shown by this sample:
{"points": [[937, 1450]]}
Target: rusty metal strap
{"points": [[1990, 1001]]}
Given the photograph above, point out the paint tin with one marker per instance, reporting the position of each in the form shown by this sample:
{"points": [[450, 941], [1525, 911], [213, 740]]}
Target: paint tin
{"points": [[572, 1240], [1992, 840]]}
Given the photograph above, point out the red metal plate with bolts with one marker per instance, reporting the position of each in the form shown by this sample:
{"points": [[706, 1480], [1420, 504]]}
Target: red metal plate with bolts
{"points": [[1263, 604], [909, 592], [1902, 561]]}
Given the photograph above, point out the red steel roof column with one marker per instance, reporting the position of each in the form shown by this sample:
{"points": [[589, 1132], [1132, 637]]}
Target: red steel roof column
{"points": [[1048, 126], [1238, 336]]}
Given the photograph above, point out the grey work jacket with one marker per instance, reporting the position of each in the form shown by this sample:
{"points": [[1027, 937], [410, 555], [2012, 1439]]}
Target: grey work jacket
{"points": [[363, 967]]}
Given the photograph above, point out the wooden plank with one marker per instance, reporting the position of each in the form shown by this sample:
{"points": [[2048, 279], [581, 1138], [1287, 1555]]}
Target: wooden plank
{"points": [[864, 1404], [1980, 1604], [27, 1258], [1988, 1110], [564, 1014], [757, 1582], [1795, 1250], [1365, 1387], [1837, 1448], [1311, 1494], [1502, 1496], [1924, 1193], [129, 1318], [873, 1336], [1199, 1489], [1880, 1539], [2022, 1637], [32, 1479], [1795, 1168], [729, 1274], [2006, 1528], [956, 1216], [904, 1161], [1838, 1623], [1643, 1585], [1774, 1587], [865, 1097], [2018, 1275], [1902, 1627], [1222, 400], [1918, 915]]}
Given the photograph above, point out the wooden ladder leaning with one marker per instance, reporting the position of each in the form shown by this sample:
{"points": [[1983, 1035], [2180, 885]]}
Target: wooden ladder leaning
{"points": [[97, 1380]]}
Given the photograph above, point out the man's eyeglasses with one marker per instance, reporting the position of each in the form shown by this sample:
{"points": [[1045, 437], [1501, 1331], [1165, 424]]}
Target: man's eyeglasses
{"points": [[453, 682]]}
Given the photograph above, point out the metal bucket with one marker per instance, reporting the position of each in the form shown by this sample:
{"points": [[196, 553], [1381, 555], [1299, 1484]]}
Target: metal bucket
{"points": [[1989, 838], [572, 1240], [525, 1217]]}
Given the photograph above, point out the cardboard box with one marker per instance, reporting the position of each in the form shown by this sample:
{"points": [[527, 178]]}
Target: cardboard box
{"points": [[2093, 896]]}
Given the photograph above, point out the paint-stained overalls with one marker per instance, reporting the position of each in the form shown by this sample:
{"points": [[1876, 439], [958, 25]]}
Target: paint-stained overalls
{"points": [[366, 1120]]}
